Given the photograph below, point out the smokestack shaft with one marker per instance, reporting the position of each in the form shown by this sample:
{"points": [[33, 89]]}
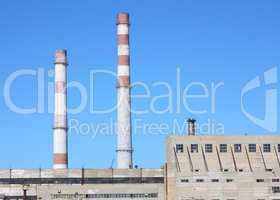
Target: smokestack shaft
{"points": [[60, 143], [124, 140]]}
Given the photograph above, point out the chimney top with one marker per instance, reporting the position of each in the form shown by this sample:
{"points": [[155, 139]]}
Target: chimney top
{"points": [[61, 56], [122, 18], [191, 120]]}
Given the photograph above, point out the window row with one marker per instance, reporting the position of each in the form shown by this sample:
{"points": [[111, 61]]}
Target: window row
{"points": [[276, 180], [224, 148], [203, 180], [106, 196]]}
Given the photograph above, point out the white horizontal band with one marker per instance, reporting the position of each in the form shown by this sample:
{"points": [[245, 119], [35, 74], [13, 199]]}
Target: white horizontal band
{"points": [[60, 141], [60, 104], [60, 166], [60, 72], [123, 50], [123, 70], [122, 29]]}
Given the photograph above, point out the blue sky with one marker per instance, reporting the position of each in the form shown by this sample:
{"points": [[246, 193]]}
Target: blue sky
{"points": [[208, 41]]}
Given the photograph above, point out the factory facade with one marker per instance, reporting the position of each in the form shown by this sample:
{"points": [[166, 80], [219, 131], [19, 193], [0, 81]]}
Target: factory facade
{"points": [[196, 167], [223, 167]]}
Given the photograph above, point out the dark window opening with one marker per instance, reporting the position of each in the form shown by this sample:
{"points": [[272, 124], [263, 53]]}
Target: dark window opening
{"points": [[194, 148], [237, 148], [276, 189], [208, 148], [252, 148], [223, 148], [179, 148], [266, 148]]}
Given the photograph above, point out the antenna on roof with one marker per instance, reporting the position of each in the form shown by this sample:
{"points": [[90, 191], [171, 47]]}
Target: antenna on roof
{"points": [[112, 163]]}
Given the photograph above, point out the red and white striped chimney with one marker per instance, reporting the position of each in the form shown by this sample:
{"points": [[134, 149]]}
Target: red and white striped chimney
{"points": [[124, 146], [60, 146]]}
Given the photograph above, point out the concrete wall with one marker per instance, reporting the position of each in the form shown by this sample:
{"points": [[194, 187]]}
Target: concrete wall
{"points": [[222, 175], [112, 181], [77, 173]]}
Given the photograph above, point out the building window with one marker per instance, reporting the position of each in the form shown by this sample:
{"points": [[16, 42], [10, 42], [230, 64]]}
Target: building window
{"points": [[199, 180], [237, 148], [252, 148], [194, 148], [223, 148], [276, 189], [184, 180], [105, 196], [229, 180], [267, 148], [278, 147], [208, 148], [179, 148], [215, 180], [260, 180], [275, 180]]}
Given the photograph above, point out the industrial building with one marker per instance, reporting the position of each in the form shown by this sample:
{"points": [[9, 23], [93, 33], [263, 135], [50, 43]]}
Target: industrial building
{"points": [[223, 167], [196, 167]]}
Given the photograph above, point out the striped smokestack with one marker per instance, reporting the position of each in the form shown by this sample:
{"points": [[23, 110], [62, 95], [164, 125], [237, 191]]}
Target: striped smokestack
{"points": [[124, 146], [60, 150]]}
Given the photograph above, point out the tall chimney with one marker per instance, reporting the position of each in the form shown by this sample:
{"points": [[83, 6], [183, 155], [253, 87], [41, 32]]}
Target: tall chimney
{"points": [[124, 140], [60, 144], [191, 127]]}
